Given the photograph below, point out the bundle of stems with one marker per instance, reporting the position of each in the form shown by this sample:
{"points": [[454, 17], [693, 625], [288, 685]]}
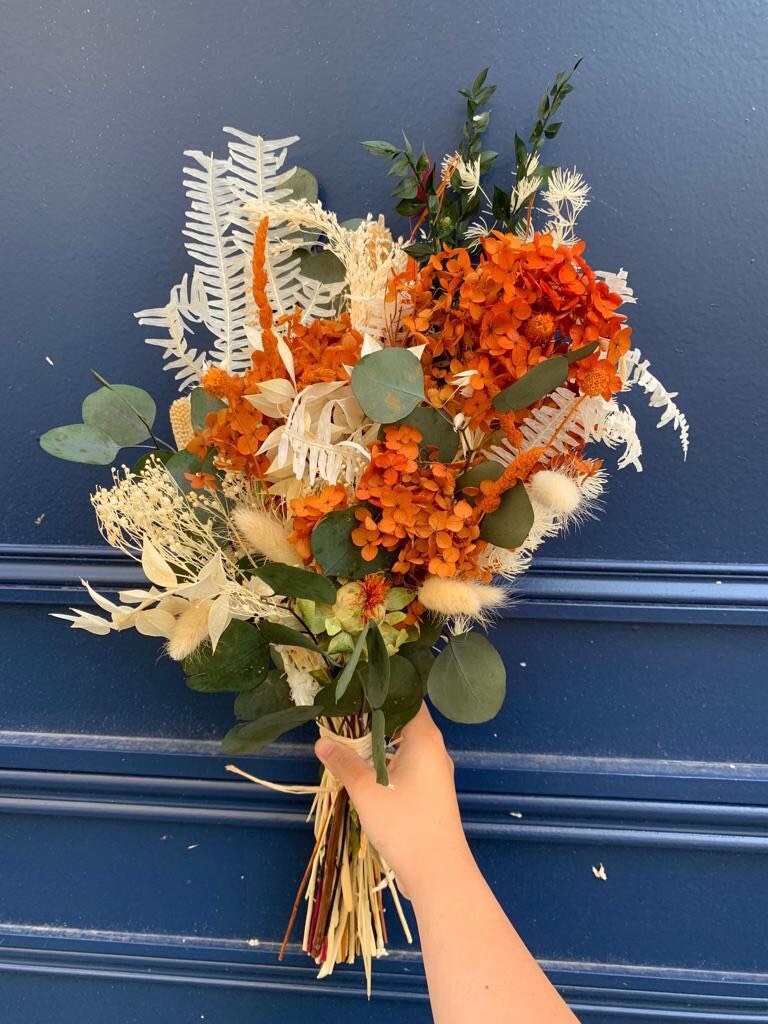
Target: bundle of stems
{"points": [[344, 882]]}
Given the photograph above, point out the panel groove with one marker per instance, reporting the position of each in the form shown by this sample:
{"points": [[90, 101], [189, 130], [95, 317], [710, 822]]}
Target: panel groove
{"points": [[594, 990], [597, 589], [516, 818]]}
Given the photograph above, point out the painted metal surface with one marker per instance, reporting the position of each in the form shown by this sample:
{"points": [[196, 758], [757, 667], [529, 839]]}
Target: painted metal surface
{"points": [[138, 883]]}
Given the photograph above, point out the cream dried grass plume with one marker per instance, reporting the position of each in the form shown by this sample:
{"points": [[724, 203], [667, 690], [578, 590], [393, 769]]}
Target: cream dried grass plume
{"points": [[461, 599], [189, 630], [262, 533]]}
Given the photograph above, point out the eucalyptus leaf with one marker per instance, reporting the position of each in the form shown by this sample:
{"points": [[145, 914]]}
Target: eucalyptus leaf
{"points": [[277, 633], [388, 384], [303, 185], [161, 455], [439, 439], [335, 552], [350, 703], [511, 523], [274, 694], [580, 353], [251, 737], [201, 403], [377, 684], [122, 411], [185, 462], [240, 662], [539, 381], [379, 744], [322, 266], [486, 470], [468, 681], [291, 581], [406, 692], [80, 442], [345, 676], [419, 657]]}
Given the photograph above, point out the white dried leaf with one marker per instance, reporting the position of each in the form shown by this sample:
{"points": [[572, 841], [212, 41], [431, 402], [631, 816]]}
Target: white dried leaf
{"points": [[155, 567]]}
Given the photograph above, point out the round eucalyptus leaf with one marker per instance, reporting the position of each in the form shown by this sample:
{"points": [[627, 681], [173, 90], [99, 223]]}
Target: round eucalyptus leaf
{"points": [[352, 224], [80, 442], [121, 411], [439, 440], [539, 381], [321, 266], [468, 681], [487, 470], [388, 384], [511, 523], [240, 661], [303, 185], [335, 552], [273, 694], [200, 404]]}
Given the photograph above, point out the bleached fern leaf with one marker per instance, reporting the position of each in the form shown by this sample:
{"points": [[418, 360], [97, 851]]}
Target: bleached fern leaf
{"points": [[185, 305], [256, 178], [569, 423], [635, 373], [221, 264]]}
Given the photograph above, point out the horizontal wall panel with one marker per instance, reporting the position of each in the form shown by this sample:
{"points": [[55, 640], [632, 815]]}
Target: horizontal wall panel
{"points": [[193, 980], [621, 690], [199, 865]]}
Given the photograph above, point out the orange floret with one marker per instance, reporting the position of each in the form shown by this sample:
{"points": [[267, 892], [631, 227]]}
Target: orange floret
{"points": [[415, 512], [307, 512]]}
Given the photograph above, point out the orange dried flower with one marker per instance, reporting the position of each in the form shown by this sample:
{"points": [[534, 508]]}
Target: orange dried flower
{"points": [[307, 512], [597, 377], [198, 481], [415, 512], [520, 302]]}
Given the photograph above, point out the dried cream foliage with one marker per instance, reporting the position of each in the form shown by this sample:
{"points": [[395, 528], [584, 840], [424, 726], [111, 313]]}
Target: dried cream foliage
{"points": [[369, 254]]}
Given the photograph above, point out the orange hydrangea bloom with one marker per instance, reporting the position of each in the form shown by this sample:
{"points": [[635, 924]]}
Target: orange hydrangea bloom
{"points": [[519, 303], [236, 431], [416, 512], [307, 512]]}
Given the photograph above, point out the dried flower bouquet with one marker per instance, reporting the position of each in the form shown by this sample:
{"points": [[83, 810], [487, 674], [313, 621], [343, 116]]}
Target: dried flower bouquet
{"points": [[377, 438]]}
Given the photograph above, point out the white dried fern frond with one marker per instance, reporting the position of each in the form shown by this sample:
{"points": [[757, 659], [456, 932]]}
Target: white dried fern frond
{"points": [[565, 425], [634, 371], [221, 265], [258, 182], [184, 306], [219, 237]]}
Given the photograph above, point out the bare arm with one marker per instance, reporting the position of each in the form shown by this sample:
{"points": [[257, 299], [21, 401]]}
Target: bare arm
{"points": [[477, 965]]}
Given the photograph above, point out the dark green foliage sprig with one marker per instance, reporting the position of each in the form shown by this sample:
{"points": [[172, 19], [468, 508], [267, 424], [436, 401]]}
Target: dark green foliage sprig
{"points": [[444, 220]]}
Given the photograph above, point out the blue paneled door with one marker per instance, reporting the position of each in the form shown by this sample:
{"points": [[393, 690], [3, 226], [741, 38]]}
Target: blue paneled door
{"points": [[619, 804]]}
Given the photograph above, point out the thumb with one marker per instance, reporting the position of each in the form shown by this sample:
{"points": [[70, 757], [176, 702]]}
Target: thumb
{"points": [[350, 769]]}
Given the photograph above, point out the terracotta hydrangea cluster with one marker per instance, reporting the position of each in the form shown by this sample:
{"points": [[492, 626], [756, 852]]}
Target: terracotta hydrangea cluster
{"points": [[492, 318], [422, 518]]}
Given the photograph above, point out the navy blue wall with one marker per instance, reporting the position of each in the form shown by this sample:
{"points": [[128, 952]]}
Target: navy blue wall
{"points": [[634, 733]]}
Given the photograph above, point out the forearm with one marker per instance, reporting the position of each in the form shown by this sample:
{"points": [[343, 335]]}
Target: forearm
{"points": [[476, 964]]}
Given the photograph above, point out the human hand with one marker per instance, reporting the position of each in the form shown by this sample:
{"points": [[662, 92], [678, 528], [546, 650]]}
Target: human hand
{"points": [[414, 822]]}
